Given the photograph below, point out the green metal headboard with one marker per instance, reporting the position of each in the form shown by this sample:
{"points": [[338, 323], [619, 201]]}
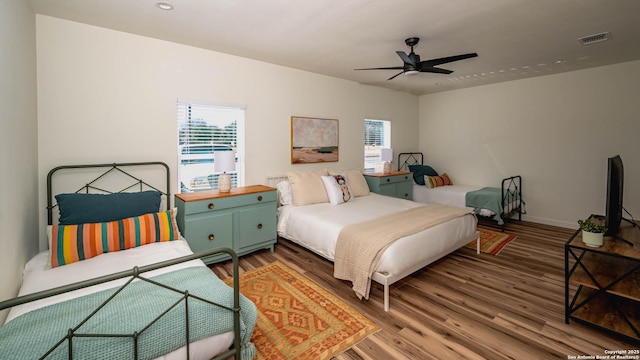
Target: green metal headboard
{"points": [[109, 169]]}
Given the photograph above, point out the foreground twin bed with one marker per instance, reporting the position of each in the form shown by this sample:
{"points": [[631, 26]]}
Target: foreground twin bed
{"points": [[76, 304], [130, 311]]}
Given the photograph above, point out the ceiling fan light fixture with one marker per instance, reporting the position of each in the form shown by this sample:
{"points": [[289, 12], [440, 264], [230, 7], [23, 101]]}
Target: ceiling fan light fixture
{"points": [[411, 72]]}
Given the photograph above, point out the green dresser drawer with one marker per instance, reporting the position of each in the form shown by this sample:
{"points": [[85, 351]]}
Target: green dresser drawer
{"points": [[209, 205], [394, 179], [404, 190], [388, 190], [205, 233], [255, 226]]}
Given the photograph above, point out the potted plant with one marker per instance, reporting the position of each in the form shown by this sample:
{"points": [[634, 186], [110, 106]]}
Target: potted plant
{"points": [[592, 232]]}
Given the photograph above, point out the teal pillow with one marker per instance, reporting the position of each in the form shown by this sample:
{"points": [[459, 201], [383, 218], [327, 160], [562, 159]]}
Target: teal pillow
{"points": [[419, 171], [97, 208]]}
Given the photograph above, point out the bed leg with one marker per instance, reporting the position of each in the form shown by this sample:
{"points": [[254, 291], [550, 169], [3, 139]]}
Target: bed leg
{"points": [[386, 296], [478, 244]]}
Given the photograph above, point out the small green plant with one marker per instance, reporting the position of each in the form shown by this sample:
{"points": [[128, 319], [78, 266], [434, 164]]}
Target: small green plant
{"points": [[590, 226]]}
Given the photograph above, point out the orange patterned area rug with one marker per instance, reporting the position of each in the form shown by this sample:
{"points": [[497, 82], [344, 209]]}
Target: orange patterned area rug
{"points": [[297, 319], [492, 242]]}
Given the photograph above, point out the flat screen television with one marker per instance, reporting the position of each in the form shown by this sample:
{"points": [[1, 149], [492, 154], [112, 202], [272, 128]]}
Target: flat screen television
{"points": [[615, 181]]}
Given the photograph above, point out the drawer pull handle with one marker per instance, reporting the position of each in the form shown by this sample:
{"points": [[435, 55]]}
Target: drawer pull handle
{"points": [[259, 226], [260, 198], [211, 236], [210, 206], [406, 195], [406, 177], [388, 180]]}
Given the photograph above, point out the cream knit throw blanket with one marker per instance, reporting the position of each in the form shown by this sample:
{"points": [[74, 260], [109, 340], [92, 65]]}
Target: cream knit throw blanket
{"points": [[360, 245]]}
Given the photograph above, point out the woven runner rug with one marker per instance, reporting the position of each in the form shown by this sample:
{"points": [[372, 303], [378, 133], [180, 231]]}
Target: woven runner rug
{"points": [[492, 242], [297, 319]]}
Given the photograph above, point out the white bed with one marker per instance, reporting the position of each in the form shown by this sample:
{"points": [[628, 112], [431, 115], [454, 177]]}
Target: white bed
{"points": [[38, 276], [452, 195], [316, 227], [491, 202]]}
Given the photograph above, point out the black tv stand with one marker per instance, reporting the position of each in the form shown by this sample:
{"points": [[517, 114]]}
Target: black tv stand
{"points": [[601, 284]]}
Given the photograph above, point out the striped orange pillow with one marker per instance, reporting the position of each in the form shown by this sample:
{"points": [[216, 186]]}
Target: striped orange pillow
{"points": [[72, 243], [435, 181]]}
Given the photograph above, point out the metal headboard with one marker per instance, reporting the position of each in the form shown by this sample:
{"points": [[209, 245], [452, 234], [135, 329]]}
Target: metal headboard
{"points": [[109, 170], [409, 158]]}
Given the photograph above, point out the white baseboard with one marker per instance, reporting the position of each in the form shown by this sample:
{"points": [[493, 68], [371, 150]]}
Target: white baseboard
{"points": [[552, 222]]}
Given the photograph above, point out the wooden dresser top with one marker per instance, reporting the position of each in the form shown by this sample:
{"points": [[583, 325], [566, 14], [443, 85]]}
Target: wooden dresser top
{"points": [[215, 194]]}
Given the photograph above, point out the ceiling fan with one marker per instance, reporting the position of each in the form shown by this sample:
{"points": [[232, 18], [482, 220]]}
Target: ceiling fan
{"points": [[413, 65]]}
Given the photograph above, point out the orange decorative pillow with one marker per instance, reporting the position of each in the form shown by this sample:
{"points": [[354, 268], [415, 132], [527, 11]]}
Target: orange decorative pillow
{"points": [[435, 181], [72, 243]]}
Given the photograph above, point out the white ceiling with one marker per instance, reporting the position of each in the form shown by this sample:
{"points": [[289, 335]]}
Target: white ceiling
{"points": [[514, 39]]}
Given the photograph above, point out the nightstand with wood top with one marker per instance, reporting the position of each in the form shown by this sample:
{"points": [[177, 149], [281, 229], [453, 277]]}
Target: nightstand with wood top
{"points": [[396, 183], [243, 220]]}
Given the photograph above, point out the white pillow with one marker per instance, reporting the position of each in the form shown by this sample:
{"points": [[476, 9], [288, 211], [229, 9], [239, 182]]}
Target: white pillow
{"points": [[284, 192], [337, 188], [357, 182]]}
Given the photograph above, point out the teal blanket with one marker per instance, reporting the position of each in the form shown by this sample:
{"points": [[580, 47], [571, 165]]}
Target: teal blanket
{"points": [[486, 198], [31, 335]]}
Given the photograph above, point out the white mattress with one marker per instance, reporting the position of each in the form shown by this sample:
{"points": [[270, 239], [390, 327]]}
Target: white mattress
{"points": [[38, 276], [317, 226], [452, 195]]}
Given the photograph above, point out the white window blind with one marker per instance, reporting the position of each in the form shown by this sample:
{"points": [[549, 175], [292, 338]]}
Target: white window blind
{"points": [[377, 135], [202, 131]]}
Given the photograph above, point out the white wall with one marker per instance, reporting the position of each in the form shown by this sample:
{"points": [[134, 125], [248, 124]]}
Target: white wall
{"points": [[556, 131], [18, 144], [110, 96]]}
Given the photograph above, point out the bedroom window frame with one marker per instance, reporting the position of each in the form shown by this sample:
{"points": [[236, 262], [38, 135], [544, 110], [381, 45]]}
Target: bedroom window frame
{"points": [[377, 135], [203, 128]]}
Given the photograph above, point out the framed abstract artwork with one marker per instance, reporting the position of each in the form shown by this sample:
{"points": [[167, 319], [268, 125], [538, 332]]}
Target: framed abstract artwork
{"points": [[313, 140]]}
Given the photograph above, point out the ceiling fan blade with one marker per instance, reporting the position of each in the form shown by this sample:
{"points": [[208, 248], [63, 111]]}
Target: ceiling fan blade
{"points": [[448, 59], [394, 76], [405, 58], [384, 68], [436, 70]]}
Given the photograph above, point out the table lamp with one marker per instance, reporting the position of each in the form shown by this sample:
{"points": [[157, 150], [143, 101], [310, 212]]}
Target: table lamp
{"points": [[224, 161], [386, 155]]}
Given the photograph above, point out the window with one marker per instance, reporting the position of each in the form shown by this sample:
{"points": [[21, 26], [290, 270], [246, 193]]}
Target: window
{"points": [[202, 131], [377, 135]]}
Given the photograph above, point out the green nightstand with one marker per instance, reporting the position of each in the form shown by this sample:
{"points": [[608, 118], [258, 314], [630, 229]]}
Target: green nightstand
{"points": [[397, 183], [243, 220]]}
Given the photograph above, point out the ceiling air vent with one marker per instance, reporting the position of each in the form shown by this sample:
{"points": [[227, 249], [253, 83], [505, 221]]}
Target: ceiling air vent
{"points": [[592, 39]]}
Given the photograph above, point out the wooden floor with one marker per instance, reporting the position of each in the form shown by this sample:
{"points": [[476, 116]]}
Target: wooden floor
{"points": [[465, 306]]}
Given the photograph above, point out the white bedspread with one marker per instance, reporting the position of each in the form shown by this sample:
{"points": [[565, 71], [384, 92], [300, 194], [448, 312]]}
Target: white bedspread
{"points": [[452, 195], [317, 226], [38, 277]]}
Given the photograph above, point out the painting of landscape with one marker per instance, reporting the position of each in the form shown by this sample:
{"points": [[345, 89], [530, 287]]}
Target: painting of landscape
{"points": [[313, 140]]}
